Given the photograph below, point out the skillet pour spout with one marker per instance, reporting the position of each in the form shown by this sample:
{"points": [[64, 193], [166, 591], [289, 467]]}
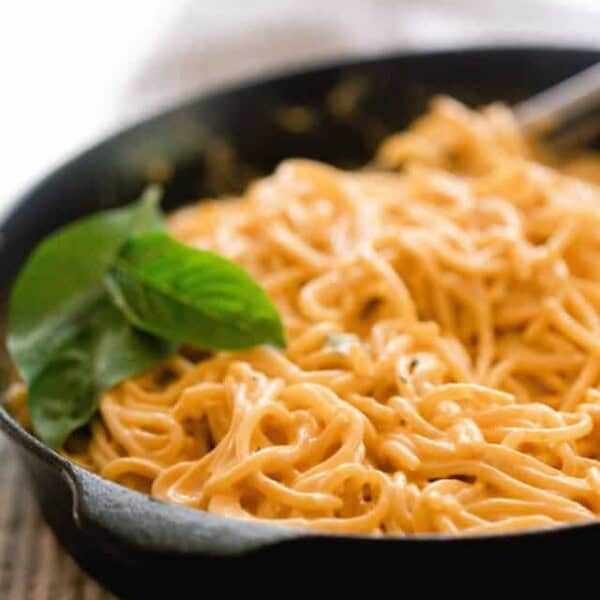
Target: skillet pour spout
{"points": [[142, 548]]}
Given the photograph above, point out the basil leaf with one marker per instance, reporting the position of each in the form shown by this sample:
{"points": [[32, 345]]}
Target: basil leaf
{"points": [[107, 349], [62, 280], [191, 296], [109, 296]]}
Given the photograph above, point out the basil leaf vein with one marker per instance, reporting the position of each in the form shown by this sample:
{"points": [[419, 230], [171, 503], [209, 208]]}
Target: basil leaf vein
{"points": [[192, 296]]}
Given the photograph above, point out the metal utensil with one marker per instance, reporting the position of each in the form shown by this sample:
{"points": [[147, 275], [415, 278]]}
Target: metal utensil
{"points": [[567, 114]]}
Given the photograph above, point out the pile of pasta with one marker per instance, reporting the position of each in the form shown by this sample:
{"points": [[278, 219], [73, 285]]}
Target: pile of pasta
{"points": [[442, 311]]}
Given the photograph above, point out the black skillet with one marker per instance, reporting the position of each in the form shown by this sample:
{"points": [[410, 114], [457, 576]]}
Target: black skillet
{"points": [[142, 548]]}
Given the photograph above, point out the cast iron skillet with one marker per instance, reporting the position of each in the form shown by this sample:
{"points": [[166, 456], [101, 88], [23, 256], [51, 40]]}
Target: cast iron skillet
{"points": [[137, 546]]}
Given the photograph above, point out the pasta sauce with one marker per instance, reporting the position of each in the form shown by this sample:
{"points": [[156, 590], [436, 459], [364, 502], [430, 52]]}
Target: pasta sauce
{"points": [[443, 360]]}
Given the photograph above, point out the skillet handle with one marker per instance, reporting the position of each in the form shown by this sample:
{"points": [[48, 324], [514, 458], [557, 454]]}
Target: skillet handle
{"points": [[135, 525]]}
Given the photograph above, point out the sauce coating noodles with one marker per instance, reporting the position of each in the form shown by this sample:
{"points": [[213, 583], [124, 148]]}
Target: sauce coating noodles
{"points": [[443, 319]]}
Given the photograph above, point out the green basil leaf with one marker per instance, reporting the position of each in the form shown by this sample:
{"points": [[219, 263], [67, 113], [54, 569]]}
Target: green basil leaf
{"points": [[191, 296], [107, 349], [62, 280]]}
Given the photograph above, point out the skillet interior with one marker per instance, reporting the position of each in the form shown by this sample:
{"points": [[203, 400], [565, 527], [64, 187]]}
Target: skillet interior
{"points": [[215, 145]]}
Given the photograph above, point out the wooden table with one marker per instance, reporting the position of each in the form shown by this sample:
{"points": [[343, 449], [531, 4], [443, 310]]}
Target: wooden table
{"points": [[33, 566]]}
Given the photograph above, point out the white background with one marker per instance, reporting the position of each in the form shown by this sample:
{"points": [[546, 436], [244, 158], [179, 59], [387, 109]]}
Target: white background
{"points": [[70, 71]]}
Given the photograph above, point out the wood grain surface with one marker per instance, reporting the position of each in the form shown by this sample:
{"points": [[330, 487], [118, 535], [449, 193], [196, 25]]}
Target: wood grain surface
{"points": [[33, 566]]}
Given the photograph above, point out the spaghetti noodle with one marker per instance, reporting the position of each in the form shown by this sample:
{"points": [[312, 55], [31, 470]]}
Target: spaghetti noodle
{"points": [[443, 318]]}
